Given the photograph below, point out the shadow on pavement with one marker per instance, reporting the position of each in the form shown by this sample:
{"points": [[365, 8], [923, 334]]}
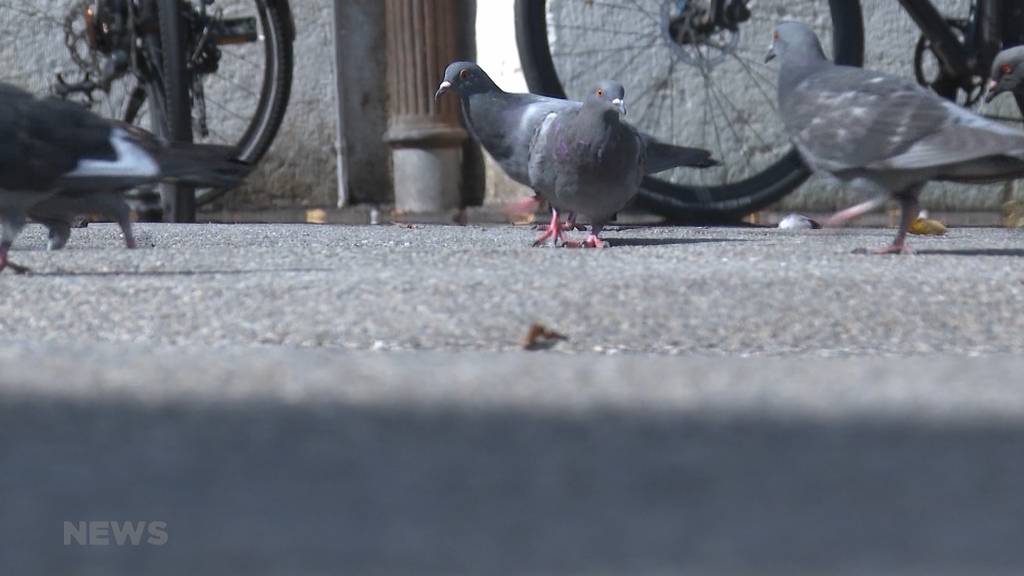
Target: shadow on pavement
{"points": [[620, 241], [160, 273], [328, 489], [1015, 252]]}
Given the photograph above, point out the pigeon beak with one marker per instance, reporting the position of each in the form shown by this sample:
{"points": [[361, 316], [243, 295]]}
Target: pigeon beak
{"points": [[618, 103], [442, 89], [992, 93], [770, 55]]}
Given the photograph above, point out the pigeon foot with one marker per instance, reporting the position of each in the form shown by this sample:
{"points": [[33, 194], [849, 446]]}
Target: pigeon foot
{"points": [[891, 249], [592, 241], [554, 232], [17, 269]]}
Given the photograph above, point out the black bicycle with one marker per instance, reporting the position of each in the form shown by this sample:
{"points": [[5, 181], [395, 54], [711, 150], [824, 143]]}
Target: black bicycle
{"points": [[694, 73], [214, 71]]}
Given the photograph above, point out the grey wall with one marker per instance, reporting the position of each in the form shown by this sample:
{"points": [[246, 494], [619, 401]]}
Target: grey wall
{"points": [[300, 168]]}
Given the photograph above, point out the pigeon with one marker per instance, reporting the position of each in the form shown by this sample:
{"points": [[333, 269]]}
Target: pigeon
{"points": [[881, 132], [50, 146], [580, 156], [615, 94], [59, 211], [1007, 73]]}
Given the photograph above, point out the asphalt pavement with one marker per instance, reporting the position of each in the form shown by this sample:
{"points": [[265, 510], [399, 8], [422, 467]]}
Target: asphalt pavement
{"points": [[322, 400], [658, 290]]}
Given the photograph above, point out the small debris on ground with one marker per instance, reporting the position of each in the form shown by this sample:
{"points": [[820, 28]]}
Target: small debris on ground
{"points": [[316, 216], [925, 226], [540, 337], [798, 222], [1014, 212]]}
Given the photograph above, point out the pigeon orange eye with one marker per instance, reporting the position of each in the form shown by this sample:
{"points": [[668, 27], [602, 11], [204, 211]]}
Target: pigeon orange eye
{"points": [[775, 36], [1006, 68], [600, 93], [464, 74]]}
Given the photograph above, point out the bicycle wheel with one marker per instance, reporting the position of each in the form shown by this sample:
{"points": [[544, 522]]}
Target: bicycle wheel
{"points": [[238, 64], [689, 84]]}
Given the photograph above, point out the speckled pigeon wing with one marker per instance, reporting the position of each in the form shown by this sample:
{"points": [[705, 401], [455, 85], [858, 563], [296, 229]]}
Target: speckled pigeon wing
{"points": [[846, 118]]}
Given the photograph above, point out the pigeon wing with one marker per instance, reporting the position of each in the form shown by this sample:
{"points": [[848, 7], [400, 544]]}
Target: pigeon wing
{"points": [[846, 118]]}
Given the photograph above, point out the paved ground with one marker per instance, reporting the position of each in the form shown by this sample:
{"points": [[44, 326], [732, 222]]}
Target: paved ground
{"points": [[663, 290], [218, 380]]}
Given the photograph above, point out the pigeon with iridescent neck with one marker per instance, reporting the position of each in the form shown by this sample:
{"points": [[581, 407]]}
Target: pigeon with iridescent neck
{"points": [[582, 157]]}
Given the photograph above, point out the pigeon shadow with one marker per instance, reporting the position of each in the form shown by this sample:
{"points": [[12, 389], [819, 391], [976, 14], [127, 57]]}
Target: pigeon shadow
{"points": [[1013, 252], [616, 242], [169, 273]]}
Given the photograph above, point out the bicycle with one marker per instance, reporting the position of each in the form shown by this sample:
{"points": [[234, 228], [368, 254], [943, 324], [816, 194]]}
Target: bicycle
{"points": [[707, 55], [190, 70]]}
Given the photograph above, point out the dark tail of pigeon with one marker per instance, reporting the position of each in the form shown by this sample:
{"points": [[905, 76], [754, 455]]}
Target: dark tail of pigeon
{"points": [[661, 156], [201, 165]]}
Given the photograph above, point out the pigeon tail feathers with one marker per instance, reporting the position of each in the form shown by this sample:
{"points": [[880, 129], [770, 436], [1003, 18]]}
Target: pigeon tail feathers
{"points": [[203, 165], [661, 157]]}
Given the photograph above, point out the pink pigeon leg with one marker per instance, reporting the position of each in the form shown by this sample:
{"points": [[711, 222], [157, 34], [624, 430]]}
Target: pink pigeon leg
{"points": [[843, 217], [554, 231], [522, 207], [908, 211], [5, 263]]}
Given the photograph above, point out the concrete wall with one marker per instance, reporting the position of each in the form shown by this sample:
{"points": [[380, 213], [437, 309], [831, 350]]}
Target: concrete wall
{"points": [[891, 37]]}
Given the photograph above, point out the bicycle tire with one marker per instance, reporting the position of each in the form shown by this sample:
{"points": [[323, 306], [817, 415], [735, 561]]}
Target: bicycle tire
{"points": [[275, 93], [688, 203], [177, 99]]}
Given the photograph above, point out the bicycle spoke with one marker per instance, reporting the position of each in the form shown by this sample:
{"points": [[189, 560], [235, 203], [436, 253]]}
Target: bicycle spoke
{"points": [[236, 84], [227, 110], [593, 51], [714, 124], [638, 51], [233, 54], [31, 13], [725, 113], [738, 112], [653, 17], [611, 31], [754, 77]]}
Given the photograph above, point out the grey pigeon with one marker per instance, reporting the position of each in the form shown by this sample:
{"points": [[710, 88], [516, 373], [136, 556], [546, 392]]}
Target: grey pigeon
{"points": [[882, 133], [49, 146], [581, 157], [615, 94], [1007, 73]]}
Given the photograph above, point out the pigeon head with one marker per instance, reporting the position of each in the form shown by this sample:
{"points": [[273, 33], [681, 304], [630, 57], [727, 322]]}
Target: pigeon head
{"points": [[611, 92], [793, 39], [1007, 72], [465, 78]]}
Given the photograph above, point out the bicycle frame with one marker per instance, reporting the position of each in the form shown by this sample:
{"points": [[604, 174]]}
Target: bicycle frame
{"points": [[991, 32]]}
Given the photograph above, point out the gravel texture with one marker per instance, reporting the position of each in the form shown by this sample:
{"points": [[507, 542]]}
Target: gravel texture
{"points": [[658, 290]]}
